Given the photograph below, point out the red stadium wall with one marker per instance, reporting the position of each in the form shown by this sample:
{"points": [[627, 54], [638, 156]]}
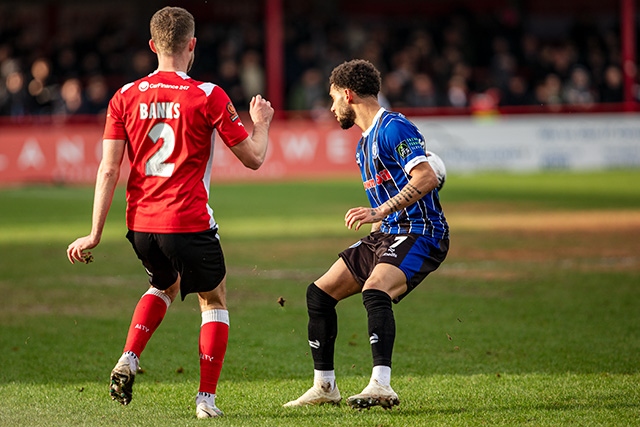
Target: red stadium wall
{"points": [[70, 153]]}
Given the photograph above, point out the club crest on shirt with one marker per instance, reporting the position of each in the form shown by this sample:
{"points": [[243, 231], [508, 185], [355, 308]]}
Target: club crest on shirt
{"points": [[403, 149], [233, 114], [374, 150]]}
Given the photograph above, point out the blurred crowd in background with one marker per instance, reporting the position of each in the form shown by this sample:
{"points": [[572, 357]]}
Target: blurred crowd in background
{"points": [[73, 64]]}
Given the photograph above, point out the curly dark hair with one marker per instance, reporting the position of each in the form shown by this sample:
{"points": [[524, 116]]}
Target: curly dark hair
{"points": [[359, 75]]}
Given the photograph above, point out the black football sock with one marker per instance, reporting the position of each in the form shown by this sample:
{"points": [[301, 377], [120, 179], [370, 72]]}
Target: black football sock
{"points": [[382, 325], [322, 327]]}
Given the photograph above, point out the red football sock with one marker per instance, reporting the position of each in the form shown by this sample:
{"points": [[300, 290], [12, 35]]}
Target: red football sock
{"points": [[214, 334], [145, 320]]}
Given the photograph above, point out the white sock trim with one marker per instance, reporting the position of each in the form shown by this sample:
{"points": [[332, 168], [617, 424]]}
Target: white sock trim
{"points": [[159, 293], [382, 374], [210, 398], [215, 315], [322, 377], [132, 359]]}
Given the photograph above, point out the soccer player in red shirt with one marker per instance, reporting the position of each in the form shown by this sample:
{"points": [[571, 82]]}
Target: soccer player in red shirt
{"points": [[165, 123]]}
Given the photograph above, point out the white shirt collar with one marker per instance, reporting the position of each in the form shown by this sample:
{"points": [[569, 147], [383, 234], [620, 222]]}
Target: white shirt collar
{"points": [[373, 123]]}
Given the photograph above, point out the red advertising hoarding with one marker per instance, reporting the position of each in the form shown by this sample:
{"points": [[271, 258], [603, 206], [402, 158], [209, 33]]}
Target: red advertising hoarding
{"points": [[70, 153]]}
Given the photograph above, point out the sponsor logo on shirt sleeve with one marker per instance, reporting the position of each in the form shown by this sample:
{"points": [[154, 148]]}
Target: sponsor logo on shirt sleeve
{"points": [[233, 114], [404, 150]]}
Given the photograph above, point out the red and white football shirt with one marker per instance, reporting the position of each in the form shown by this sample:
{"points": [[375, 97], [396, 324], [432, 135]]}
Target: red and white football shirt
{"points": [[167, 120]]}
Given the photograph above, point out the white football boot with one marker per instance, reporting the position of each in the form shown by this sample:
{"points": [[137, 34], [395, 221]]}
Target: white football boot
{"points": [[319, 394], [122, 377], [206, 406], [374, 394]]}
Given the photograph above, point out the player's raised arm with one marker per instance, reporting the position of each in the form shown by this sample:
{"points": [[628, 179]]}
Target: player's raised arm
{"points": [[253, 150]]}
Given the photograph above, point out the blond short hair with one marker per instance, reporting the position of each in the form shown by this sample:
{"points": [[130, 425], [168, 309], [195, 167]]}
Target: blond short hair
{"points": [[171, 29]]}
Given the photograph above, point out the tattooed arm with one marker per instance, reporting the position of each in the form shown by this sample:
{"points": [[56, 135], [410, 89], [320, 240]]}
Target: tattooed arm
{"points": [[423, 180]]}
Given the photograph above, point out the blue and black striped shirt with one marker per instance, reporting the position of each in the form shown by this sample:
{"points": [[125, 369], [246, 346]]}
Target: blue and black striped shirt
{"points": [[386, 153]]}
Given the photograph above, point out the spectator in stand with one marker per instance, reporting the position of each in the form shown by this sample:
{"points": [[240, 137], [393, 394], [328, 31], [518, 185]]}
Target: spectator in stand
{"points": [[43, 92], [577, 90], [563, 57], [7, 66], [91, 64], [97, 95], [612, 46], [17, 99], [142, 64], [4, 96], [529, 60], [229, 79], [422, 92], [503, 64], [612, 89], [457, 92], [549, 92], [252, 78], [596, 64], [517, 93], [424, 47], [65, 63], [373, 51], [309, 92], [394, 90], [72, 98]]}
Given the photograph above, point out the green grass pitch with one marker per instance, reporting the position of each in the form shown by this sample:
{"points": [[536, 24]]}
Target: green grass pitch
{"points": [[533, 320]]}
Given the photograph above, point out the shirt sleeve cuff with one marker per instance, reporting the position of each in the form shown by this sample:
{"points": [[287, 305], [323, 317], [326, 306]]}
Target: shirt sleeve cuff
{"points": [[414, 162]]}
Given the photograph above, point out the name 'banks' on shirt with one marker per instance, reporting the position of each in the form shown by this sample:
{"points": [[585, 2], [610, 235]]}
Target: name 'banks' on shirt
{"points": [[168, 121]]}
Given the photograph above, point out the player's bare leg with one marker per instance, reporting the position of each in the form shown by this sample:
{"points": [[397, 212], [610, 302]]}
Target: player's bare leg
{"points": [[214, 335]]}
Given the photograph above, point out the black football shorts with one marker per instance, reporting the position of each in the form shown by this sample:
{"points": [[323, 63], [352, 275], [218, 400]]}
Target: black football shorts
{"points": [[416, 255], [196, 257]]}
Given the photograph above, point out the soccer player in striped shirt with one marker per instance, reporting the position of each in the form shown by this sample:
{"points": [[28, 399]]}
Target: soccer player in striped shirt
{"points": [[409, 236]]}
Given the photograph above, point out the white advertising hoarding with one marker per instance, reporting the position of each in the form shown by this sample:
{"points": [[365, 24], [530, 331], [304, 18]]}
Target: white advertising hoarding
{"points": [[534, 142]]}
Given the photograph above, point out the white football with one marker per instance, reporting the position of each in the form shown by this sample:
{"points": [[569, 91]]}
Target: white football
{"points": [[438, 167]]}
